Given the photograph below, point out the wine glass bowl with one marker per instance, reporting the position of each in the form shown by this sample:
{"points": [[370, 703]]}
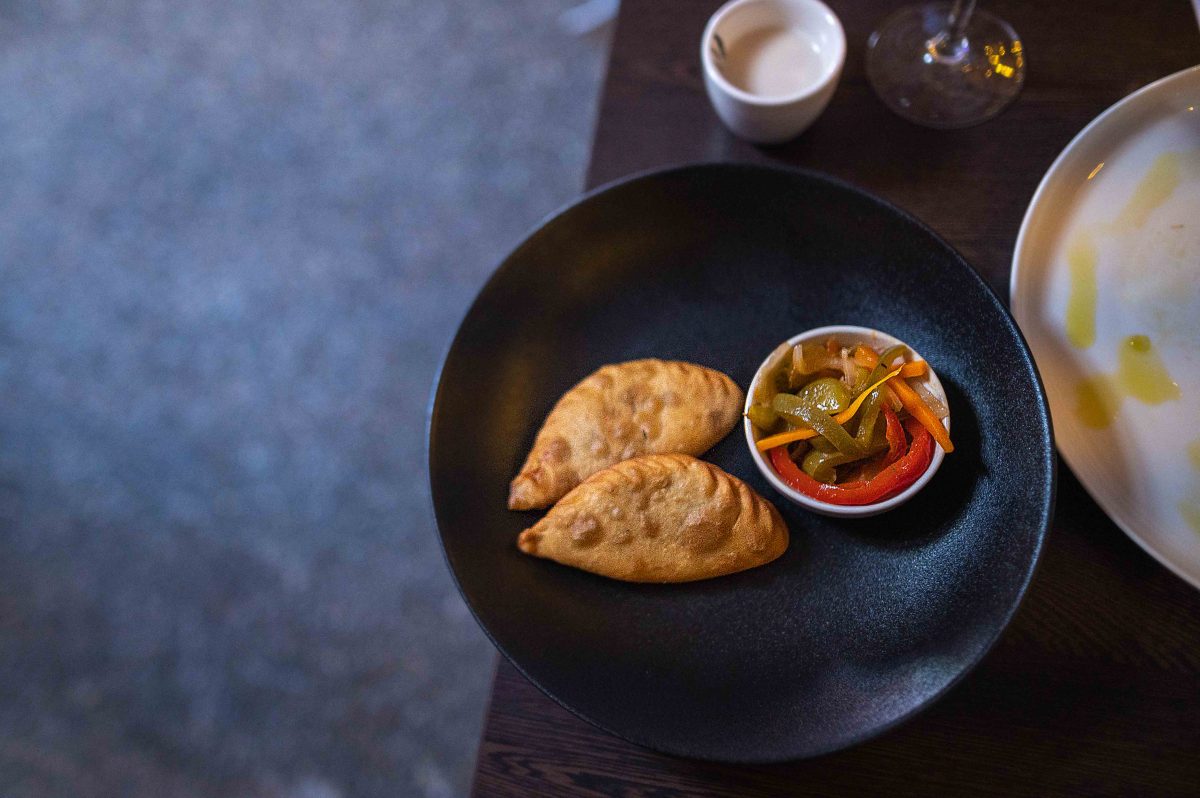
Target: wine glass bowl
{"points": [[945, 65]]}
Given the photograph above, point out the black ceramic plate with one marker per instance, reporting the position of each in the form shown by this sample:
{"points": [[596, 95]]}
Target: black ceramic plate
{"points": [[862, 622]]}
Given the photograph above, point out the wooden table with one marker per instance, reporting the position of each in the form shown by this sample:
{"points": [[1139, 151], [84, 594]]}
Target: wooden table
{"points": [[1095, 687]]}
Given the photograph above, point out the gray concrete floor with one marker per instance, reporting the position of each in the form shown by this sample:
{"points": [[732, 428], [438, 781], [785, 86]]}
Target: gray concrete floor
{"points": [[235, 237]]}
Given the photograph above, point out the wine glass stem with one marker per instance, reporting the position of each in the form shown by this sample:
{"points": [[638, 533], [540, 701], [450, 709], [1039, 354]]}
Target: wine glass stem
{"points": [[951, 43], [960, 17]]}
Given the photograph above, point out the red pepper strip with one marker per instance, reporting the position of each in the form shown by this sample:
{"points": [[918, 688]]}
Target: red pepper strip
{"points": [[896, 477], [897, 443]]}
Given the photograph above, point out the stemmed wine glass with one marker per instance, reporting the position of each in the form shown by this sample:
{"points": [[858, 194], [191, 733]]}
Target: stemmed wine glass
{"points": [[945, 65]]}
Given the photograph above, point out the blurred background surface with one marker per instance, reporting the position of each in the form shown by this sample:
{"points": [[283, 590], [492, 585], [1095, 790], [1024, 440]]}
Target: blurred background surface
{"points": [[235, 237]]}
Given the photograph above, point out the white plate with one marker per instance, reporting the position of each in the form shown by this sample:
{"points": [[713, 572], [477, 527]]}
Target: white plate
{"points": [[1113, 185]]}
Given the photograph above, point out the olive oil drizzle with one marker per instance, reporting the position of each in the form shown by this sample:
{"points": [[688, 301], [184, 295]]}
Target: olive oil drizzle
{"points": [[1141, 375], [1155, 188]]}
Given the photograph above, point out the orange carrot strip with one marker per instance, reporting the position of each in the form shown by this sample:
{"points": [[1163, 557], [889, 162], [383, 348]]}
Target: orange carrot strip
{"points": [[921, 412], [866, 357]]}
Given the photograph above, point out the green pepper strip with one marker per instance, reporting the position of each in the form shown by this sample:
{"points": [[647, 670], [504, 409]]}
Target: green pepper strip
{"points": [[826, 393], [787, 405], [832, 431], [848, 449], [882, 367], [868, 415], [822, 466], [762, 417], [890, 354]]}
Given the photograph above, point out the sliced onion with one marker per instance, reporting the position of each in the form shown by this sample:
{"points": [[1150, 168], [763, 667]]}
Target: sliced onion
{"points": [[932, 402], [810, 359]]}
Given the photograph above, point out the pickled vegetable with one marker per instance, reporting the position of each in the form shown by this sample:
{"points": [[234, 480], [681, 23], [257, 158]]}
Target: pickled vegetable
{"points": [[842, 417], [826, 394], [822, 466], [841, 450], [829, 429], [764, 418]]}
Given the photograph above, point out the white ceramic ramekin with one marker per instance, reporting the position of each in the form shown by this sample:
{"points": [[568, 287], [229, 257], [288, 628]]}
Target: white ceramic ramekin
{"points": [[847, 336]]}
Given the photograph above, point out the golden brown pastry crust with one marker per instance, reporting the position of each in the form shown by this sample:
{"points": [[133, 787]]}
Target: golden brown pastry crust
{"points": [[620, 411], [660, 518]]}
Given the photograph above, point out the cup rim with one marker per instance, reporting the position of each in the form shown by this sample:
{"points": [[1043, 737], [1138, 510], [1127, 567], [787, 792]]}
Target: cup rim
{"points": [[828, 75], [825, 508]]}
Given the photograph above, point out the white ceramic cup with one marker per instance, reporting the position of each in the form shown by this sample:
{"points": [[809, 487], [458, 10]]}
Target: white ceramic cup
{"points": [[771, 119]]}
